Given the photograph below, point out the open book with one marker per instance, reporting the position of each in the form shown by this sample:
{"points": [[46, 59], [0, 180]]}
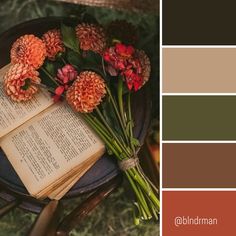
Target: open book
{"points": [[49, 146]]}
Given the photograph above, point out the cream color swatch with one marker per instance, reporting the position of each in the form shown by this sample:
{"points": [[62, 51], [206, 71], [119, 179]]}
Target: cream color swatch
{"points": [[199, 70]]}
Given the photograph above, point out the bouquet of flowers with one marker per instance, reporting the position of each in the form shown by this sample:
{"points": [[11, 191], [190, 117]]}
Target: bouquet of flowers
{"points": [[96, 70]]}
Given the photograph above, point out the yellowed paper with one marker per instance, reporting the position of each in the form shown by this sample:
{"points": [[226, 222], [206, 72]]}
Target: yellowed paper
{"points": [[61, 184], [60, 192], [14, 114], [49, 146]]}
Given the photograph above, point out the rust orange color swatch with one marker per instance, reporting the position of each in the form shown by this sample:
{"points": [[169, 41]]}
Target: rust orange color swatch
{"points": [[195, 213]]}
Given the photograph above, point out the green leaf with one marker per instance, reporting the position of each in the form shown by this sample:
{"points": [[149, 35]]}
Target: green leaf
{"points": [[26, 85], [92, 58], [127, 127], [135, 142], [109, 152], [87, 61], [69, 38], [49, 66], [74, 58], [130, 124], [45, 80]]}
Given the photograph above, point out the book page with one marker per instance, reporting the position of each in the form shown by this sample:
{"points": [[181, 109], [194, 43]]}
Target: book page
{"points": [[61, 188], [50, 145], [14, 114]]}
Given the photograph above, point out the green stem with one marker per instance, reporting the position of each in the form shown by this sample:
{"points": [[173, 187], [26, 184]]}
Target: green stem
{"points": [[131, 124], [107, 141], [140, 200], [120, 100], [132, 176], [102, 127], [60, 56], [123, 149], [142, 213], [142, 196], [63, 60], [143, 200], [142, 178], [153, 208], [148, 191], [103, 67], [122, 124], [99, 126]]}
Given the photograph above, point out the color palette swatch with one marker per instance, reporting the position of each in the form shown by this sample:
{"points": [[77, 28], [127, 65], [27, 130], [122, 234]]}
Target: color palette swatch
{"points": [[198, 117], [199, 22], [199, 165], [199, 70], [199, 213]]}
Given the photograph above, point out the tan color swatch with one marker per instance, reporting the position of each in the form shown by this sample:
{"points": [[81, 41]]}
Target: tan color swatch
{"points": [[199, 70]]}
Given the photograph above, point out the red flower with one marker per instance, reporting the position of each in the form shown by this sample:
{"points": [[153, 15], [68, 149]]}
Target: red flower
{"points": [[134, 81], [67, 74], [58, 92], [124, 51], [129, 63]]}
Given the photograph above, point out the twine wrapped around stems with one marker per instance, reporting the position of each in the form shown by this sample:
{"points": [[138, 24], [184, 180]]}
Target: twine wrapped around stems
{"points": [[132, 5], [128, 163]]}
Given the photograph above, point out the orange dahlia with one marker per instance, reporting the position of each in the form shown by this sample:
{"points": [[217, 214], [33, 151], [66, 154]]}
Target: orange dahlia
{"points": [[145, 65], [53, 42], [91, 37], [28, 49], [86, 92], [20, 82]]}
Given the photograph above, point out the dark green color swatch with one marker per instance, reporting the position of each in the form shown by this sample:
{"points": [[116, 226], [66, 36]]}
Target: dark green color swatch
{"points": [[199, 117]]}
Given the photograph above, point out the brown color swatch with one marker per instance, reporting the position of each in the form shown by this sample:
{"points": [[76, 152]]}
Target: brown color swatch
{"points": [[199, 70], [199, 205], [199, 165], [199, 22]]}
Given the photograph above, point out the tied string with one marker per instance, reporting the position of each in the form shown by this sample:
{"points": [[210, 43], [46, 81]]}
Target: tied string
{"points": [[128, 163]]}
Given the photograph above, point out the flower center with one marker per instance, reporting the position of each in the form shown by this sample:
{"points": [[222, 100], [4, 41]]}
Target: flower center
{"points": [[27, 84], [18, 49]]}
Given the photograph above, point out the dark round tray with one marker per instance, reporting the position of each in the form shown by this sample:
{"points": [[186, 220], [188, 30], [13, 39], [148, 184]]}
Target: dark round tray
{"points": [[104, 169]]}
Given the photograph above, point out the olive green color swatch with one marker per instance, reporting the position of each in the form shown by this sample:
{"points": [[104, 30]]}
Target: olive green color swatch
{"points": [[199, 117]]}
